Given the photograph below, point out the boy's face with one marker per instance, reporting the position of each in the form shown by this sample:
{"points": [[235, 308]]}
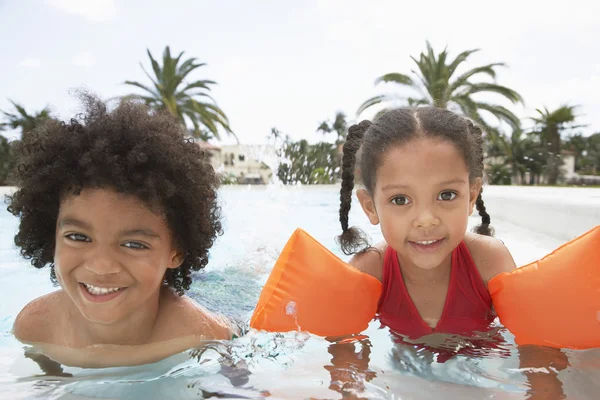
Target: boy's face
{"points": [[111, 255], [422, 194]]}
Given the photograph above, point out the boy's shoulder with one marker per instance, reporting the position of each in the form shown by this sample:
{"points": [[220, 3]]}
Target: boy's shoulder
{"points": [[182, 316], [371, 261], [489, 254], [38, 320]]}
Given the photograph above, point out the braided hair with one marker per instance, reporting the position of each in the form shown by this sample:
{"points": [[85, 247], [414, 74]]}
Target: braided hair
{"points": [[484, 228], [352, 240], [367, 142]]}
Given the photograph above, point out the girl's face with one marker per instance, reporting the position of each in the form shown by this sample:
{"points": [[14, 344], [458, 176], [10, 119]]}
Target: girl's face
{"points": [[111, 254], [422, 199]]}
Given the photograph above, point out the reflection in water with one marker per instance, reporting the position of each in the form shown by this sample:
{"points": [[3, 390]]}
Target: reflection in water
{"points": [[232, 292], [290, 365]]}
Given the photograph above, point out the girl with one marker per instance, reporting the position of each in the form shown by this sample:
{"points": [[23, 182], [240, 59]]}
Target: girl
{"points": [[123, 210], [422, 172]]}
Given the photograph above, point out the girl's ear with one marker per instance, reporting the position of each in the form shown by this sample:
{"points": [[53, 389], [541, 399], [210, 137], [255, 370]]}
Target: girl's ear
{"points": [[474, 193], [368, 206]]}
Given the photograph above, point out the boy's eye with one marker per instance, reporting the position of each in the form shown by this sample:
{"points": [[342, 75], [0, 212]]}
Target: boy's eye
{"points": [[135, 245], [447, 196], [77, 237], [400, 200]]}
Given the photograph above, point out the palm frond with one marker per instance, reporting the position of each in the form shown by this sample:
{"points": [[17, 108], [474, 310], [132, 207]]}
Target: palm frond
{"points": [[462, 57], [369, 103], [395, 77], [510, 94], [203, 84], [417, 102], [144, 87], [463, 79], [502, 114]]}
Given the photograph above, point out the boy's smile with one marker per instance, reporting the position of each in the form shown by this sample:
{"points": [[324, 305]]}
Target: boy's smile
{"points": [[100, 294]]}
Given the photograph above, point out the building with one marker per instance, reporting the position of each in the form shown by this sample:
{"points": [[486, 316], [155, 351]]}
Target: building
{"points": [[567, 171], [247, 164], [215, 153]]}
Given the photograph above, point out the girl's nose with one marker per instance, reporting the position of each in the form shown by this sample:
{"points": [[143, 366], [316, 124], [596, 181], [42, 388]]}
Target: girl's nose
{"points": [[426, 219]]}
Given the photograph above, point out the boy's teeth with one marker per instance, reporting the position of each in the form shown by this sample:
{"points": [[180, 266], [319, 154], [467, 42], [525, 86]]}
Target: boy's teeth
{"points": [[99, 291], [427, 242]]}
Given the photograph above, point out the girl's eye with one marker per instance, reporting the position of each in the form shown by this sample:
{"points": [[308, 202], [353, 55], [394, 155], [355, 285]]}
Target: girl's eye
{"points": [[135, 245], [400, 200], [447, 196], [77, 237]]}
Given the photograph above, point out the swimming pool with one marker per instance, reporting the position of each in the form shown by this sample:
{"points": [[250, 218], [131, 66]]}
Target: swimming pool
{"points": [[258, 222]]}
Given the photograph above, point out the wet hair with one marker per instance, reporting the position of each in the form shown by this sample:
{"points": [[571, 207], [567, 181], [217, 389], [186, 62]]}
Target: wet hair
{"points": [[367, 143], [132, 150]]}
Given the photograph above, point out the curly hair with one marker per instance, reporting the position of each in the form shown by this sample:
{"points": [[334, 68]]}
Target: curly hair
{"points": [[131, 149], [367, 142]]}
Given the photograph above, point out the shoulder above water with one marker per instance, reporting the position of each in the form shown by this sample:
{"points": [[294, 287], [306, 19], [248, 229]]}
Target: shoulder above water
{"points": [[371, 261], [490, 255], [182, 316], [39, 319], [47, 320], [182, 324]]}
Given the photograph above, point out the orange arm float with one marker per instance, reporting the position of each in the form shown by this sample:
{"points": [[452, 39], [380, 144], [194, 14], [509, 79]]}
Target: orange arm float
{"points": [[554, 301], [311, 289]]}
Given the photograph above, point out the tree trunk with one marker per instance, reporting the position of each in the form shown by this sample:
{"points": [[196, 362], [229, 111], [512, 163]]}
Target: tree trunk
{"points": [[553, 160]]}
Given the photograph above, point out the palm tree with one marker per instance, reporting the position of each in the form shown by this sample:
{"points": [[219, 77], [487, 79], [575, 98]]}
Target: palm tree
{"points": [[183, 100], [7, 160], [437, 85], [339, 126], [22, 120], [275, 135], [549, 126], [523, 152]]}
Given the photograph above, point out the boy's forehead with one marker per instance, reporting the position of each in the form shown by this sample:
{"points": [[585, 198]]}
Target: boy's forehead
{"points": [[109, 201]]}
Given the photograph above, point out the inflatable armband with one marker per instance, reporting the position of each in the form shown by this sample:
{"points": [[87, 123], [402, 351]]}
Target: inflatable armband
{"points": [[554, 301], [311, 289]]}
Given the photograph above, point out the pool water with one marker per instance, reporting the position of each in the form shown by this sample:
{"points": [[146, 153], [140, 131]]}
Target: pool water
{"points": [[258, 221]]}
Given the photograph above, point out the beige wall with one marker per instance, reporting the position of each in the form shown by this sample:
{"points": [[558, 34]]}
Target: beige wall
{"points": [[246, 162]]}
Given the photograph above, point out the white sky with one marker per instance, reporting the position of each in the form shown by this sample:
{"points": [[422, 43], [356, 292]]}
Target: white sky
{"points": [[294, 64]]}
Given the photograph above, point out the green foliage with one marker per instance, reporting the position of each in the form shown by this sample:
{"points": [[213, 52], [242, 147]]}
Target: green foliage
{"points": [[499, 174], [183, 100], [229, 179], [587, 153], [23, 120], [20, 119], [550, 126], [307, 163], [339, 126], [7, 161]]}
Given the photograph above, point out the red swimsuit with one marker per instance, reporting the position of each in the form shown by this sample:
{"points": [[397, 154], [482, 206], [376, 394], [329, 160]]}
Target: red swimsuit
{"points": [[468, 305]]}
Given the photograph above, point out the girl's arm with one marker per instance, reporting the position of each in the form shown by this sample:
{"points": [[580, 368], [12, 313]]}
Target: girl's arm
{"points": [[349, 368], [350, 358], [539, 364]]}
